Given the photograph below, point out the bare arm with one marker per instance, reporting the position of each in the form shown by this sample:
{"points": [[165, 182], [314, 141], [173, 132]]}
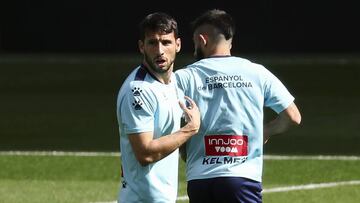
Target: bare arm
{"points": [[287, 118], [148, 150]]}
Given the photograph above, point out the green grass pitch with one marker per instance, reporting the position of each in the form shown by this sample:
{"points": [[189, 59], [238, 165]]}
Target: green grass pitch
{"points": [[84, 179], [67, 103]]}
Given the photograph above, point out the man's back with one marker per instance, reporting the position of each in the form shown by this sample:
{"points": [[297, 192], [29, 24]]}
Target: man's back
{"points": [[231, 93]]}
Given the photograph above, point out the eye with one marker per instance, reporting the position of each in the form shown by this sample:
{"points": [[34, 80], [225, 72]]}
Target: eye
{"points": [[152, 42], [166, 42]]}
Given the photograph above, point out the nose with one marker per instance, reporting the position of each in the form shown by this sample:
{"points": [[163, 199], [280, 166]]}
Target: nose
{"points": [[160, 48]]}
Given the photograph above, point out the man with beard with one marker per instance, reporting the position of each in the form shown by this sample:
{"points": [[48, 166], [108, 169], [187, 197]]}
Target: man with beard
{"points": [[224, 160], [149, 114]]}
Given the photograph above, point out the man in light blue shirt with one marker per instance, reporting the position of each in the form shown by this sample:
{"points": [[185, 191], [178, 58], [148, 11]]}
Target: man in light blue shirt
{"points": [[149, 114], [225, 160]]}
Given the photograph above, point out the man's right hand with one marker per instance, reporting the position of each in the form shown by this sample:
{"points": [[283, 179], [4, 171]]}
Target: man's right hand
{"points": [[192, 116]]}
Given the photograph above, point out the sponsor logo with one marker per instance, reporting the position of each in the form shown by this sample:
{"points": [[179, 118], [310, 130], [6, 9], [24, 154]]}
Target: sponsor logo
{"points": [[136, 91], [224, 82], [223, 160], [226, 145], [137, 104]]}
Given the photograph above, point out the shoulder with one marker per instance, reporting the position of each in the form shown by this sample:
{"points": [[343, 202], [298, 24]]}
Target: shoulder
{"points": [[257, 67], [139, 78], [184, 72], [191, 68], [136, 85], [252, 64], [141, 88]]}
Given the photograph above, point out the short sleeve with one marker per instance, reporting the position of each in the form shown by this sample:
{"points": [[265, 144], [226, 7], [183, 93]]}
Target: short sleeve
{"points": [[138, 109], [277, 96]]}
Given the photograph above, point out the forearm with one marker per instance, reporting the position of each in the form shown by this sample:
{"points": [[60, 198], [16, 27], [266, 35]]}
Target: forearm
{"points": [[276, 126], [286, 119], [148, 150], [159, 148]]}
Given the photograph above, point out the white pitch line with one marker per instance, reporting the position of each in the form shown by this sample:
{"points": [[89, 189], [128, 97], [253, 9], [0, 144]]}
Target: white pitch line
{"points": [[311, 186], [308, 157], [57, 153], [184, 198], [105, 202], [288, 188], [117, 154]]}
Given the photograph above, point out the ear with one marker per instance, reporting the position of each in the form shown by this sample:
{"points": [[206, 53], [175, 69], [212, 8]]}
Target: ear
{"points": [[141, 46], [178, 45], [203, 39]]}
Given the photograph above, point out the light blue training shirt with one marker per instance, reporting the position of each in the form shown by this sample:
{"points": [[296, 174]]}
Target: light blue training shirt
{"points": [[231, 93], [144, 104]]}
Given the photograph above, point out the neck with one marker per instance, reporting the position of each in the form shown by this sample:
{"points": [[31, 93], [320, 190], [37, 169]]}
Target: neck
{"points": [[164, 77], [219, 53], [222, 49]]}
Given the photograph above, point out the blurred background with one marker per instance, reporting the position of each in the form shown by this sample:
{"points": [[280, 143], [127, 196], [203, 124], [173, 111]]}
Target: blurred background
{"points": [[63, 62], [263, 26]]}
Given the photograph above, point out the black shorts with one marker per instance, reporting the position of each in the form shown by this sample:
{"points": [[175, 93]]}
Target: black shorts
{"points": [[224, 190]]}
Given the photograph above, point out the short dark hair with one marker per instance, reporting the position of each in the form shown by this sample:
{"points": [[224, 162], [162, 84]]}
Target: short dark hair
{"points": [[158, 22], [217, 18]]}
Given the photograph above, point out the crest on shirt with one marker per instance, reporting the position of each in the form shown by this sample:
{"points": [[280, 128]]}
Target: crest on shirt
{"points": [[137, 104], [136, 91], [165, 96]]}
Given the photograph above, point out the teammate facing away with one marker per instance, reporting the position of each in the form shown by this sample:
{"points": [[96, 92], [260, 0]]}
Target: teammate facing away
{"points": [[224, 161], [149, 117]]}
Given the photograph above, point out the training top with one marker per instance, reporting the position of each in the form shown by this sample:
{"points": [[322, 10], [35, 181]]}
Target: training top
{"points": [[231, 93], [144, 104]]}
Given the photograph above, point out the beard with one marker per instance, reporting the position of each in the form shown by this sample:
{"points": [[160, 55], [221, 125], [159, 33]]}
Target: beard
{"points": [[199, 54], [155, 67]]}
